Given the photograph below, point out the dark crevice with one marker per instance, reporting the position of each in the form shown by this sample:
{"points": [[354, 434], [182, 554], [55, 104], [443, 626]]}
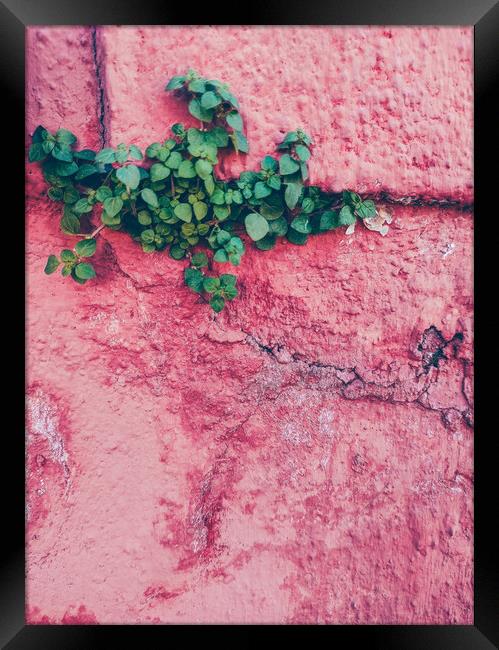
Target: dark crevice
{"points": [[101, 90], [432, 347]]}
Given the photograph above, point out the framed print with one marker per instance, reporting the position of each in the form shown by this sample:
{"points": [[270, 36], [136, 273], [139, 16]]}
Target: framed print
{"points": [[251, 269]]}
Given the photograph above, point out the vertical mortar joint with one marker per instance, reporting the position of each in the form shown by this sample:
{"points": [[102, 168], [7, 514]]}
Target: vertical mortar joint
{"points": [[101, 92]]}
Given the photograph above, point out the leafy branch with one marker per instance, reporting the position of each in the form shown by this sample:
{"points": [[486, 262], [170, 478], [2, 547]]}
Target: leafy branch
{"points": [[172, 199]]}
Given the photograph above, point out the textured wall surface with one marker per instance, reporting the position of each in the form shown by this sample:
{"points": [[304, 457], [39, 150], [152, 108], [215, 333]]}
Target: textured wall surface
{"points": [[307, 455]]}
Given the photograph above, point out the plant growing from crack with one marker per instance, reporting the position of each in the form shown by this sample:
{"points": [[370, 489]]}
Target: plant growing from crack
{"points": [[175, 201]]}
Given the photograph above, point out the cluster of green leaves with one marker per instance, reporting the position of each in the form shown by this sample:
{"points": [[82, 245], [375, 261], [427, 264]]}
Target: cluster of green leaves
{"points": [[219, 289], [170, 198], [72, 261]]}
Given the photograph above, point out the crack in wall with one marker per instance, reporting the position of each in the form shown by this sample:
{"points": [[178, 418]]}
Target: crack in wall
{"points": [[102, 102], [354, 387]]}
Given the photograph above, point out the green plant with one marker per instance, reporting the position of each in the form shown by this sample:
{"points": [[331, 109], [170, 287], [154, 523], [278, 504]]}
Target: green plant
{"points": [[175, 201]]}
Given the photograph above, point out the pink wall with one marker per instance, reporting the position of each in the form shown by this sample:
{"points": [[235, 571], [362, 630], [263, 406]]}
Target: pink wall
{"points": [[292, 459]]}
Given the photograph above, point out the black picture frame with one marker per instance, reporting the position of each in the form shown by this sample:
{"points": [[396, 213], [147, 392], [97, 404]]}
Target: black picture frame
{"points": [[15, 15]]}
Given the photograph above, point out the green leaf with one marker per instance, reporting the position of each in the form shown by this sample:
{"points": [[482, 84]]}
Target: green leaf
{"points": [[193, 278], [218, 197], [210, 285], [227, 280], [70, 223], [292, 194], [174, 160], [234, 120], [65, 169], [240, 142], [346, 216], [199, 260], [221, 256], [197, 86], [302, 152], [105, 156], [55, 193], [36, 152], [256, 226], [107, 220], [112, 205], [288, 165], [301, 224], [63, 136], [267, 242], [67, 255], [129, 175], [121, 153], [159, 172], [175, 83], [200, 113], [86, 170], [184, 212], [221, 211], [85, 271], [48, 145], [274, 182], [223, 237], [218, 137], [308, 205], [103, 193], [62, 153], [210, 100], [279, 226], [153, 150], [71, 195], [366, 209], [228, 96], [290, 137], [186, 169], [271, 212], [217, 303], [209, 185], [85, 154], [135, 152], [203, 168], [188, 229], [195, 136], [236, 243], [329, 220], [40, 134], [230, 293], [86, 247], [296, 237], [150, 197], [82, 206], [269, 164], [351, 198], [76, 278], [147, 236], [144, 218], [261, 190], [200, 210], [51, 265]]}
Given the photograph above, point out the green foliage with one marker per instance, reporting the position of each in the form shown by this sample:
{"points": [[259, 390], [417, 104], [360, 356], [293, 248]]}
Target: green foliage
{"points": [[174, 201]]}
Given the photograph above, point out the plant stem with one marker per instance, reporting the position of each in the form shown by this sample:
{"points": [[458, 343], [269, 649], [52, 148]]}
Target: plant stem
{"points": [[96, 231]]}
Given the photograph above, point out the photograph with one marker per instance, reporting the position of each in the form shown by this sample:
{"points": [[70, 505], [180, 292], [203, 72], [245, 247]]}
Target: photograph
{"points": [[249, 325]]}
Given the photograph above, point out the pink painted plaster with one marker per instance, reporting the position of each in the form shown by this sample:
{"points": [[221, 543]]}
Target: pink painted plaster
{"points": [[297, 458], [389, 108]]}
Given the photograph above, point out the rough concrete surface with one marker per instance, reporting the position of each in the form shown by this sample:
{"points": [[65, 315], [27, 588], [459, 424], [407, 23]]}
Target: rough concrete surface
{"points": [[307, 455]]}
